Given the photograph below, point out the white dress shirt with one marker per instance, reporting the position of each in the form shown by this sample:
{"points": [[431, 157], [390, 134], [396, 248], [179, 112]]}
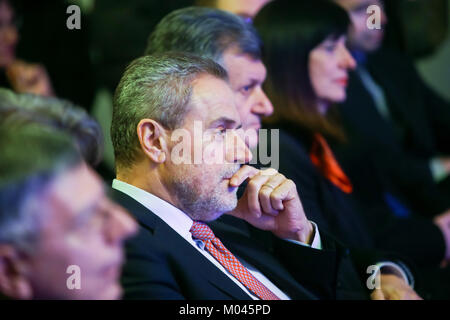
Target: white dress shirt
{"points": [[181, 223]]}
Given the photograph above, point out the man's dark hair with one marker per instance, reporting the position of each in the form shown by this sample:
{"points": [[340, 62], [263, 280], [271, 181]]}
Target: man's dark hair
{"points": [[157, 87], [59, 114], [204, 31]]}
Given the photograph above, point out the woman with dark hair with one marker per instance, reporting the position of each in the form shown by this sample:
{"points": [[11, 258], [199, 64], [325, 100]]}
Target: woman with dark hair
{"points": [[308, 64]]}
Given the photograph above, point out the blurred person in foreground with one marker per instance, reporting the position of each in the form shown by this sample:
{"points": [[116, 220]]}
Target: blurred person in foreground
{"points": [[54, 214], [59, 114], [308, 65]]}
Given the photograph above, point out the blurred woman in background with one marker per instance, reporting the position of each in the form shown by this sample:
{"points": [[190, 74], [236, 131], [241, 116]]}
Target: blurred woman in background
{"points": [[308, 64]]}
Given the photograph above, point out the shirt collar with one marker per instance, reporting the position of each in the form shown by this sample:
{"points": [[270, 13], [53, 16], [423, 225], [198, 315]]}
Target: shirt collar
{"points": [[174, 217]]}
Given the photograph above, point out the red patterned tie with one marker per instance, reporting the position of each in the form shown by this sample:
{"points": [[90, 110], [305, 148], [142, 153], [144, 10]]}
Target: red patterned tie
{"points": [[215, 247]]}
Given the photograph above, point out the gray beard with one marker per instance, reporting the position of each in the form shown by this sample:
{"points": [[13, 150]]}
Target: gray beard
{"points": [[206, 206]]}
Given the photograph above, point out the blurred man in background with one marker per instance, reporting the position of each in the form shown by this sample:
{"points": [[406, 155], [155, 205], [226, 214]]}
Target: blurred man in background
{"points": [[395, 122]]}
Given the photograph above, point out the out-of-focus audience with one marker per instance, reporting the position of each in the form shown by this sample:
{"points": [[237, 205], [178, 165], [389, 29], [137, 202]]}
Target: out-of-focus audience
{"points": [[17, 74], [363, 146], [305, 98], [395, 123]]}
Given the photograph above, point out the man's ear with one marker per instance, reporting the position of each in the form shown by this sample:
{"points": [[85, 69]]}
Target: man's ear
{"points": [[152, 140], [13, 282]]}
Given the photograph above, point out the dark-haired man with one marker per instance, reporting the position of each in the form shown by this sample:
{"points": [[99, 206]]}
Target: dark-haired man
{"points": [[390, 108]]}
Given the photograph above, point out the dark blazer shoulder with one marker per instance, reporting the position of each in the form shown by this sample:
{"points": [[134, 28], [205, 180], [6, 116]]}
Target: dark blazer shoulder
{"points": [[162, 265]]}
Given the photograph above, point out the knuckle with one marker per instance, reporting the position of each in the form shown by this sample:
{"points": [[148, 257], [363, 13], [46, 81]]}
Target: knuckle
{"points": [[280, 176], [253, 184], [275, 197], [291, 183], [266, 190]]}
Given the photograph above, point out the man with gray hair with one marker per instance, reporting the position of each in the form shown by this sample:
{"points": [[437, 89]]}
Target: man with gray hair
{"points": [[183, 250], [60, 236], [229, 41]]}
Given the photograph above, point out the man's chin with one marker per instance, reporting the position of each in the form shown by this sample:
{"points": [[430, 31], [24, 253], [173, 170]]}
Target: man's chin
{"points": [[219, 210]]}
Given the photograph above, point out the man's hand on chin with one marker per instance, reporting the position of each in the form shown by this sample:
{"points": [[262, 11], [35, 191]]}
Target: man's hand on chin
{"points": [[271, 202], [393, 287]]}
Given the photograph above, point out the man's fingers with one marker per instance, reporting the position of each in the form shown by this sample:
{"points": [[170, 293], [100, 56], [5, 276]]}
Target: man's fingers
{"points": [[265, 194], [242, 174], [253, 190], [282, 193], [263, 190], [269, 172]]}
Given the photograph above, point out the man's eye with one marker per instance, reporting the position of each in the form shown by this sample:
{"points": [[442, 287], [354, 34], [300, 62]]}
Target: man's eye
{"points": [[329, 47], [246, 89], [221, 131]]}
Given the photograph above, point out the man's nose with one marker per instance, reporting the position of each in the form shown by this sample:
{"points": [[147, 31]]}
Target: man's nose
{"points": [[236, 148], [122, 225], [261, 104]]}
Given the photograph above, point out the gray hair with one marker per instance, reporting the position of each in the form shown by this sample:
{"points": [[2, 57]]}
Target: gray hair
{"points": [[59, 114], [32, 157], [204, 31], [157, 87]]}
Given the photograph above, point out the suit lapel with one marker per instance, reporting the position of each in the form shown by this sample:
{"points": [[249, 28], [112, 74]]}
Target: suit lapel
{"points": [[360, 113], [404, 103], [179, 246]]}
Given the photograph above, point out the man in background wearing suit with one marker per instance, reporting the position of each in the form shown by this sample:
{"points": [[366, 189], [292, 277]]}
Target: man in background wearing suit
{"points": [[396, 126]]}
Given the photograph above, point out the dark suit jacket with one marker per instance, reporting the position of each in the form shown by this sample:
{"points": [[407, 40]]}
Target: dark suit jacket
{"points": [[400, 150], [160, 264], [341, 215]]}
